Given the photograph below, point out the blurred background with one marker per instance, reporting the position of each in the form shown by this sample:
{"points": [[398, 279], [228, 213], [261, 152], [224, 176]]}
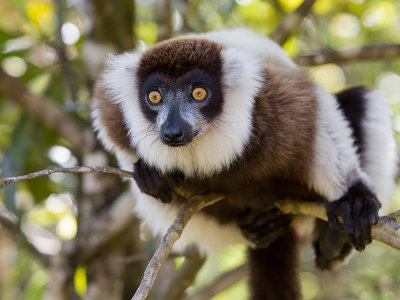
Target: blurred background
{"points": [[73, 236]]}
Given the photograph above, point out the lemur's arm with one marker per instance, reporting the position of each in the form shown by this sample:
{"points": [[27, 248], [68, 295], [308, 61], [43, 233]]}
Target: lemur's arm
{"points": [[336, 174]]}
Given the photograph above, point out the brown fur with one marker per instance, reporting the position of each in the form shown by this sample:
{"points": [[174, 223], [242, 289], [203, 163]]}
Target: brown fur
{"points": [[178, 56], [111, 117]]}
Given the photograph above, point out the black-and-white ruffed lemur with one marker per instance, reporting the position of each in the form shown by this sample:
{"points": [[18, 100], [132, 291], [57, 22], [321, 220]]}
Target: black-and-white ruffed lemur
{"points": [[229, 112]]}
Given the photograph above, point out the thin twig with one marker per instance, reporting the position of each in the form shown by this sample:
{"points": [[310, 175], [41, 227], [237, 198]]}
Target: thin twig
{"points": [[193, 205], [291, 22], [369, 52], [185, 276], [220, 284], [79, 169]]}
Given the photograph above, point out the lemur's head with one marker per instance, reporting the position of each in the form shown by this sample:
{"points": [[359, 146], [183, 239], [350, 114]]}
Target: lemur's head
{"points": [[185, 103]]}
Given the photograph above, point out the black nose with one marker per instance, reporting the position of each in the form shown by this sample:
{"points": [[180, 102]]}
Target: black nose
{"points": [[173, 135]]}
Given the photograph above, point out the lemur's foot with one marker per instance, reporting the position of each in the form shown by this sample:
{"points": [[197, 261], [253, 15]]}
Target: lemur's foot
{"points": [[263, 228], [358, 209]]}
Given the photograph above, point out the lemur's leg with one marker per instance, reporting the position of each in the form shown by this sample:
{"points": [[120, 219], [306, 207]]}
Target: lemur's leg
{"points": [[263, 228]]}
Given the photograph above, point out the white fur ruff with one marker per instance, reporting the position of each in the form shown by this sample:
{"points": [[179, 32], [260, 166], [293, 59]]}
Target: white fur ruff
{"points": [[335, 163]]}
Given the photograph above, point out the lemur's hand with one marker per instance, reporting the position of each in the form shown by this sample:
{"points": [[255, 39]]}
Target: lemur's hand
{"points": [[150, 181], [263, 228], [358, 209]]}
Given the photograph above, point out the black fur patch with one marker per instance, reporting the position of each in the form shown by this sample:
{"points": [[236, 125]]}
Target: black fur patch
{"points": [[178, 63], [210, 107], [353, 105], [150, 181], [331, 246]]}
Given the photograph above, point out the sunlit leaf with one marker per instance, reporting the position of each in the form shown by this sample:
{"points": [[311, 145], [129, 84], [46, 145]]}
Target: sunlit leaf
{"points": [[289, 5], [329, 76], [345, 25], [41, 14], [379, 14], [291, 47], [257, 13], [238, 291], [42, 216], [67, 227], [322, 7], [35, 286], [11, 20], [80, 281], [147, 32]]}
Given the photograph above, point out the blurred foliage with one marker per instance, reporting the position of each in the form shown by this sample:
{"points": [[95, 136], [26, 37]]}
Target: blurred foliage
{"points": [[29, 51]]}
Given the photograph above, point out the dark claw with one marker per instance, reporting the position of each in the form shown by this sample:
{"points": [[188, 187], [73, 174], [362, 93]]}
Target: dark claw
{"points": [[263, 228], [373, 212], [358, 209]]}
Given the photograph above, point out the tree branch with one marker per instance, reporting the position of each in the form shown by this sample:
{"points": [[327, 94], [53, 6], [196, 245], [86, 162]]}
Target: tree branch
{"points": [[370, 52], [193, 205], [45, 111], [291, 22], [108, 170], [185, 276], [130, 259], [220, 284], [386, 230]]}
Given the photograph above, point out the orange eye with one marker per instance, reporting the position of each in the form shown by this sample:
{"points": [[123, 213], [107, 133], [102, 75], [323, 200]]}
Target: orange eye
{"points": [[154, 97], [199, 93]]}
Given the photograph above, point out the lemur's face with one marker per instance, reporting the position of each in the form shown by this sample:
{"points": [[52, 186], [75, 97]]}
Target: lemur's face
{"points": [[180, 90], [181, 107]]}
